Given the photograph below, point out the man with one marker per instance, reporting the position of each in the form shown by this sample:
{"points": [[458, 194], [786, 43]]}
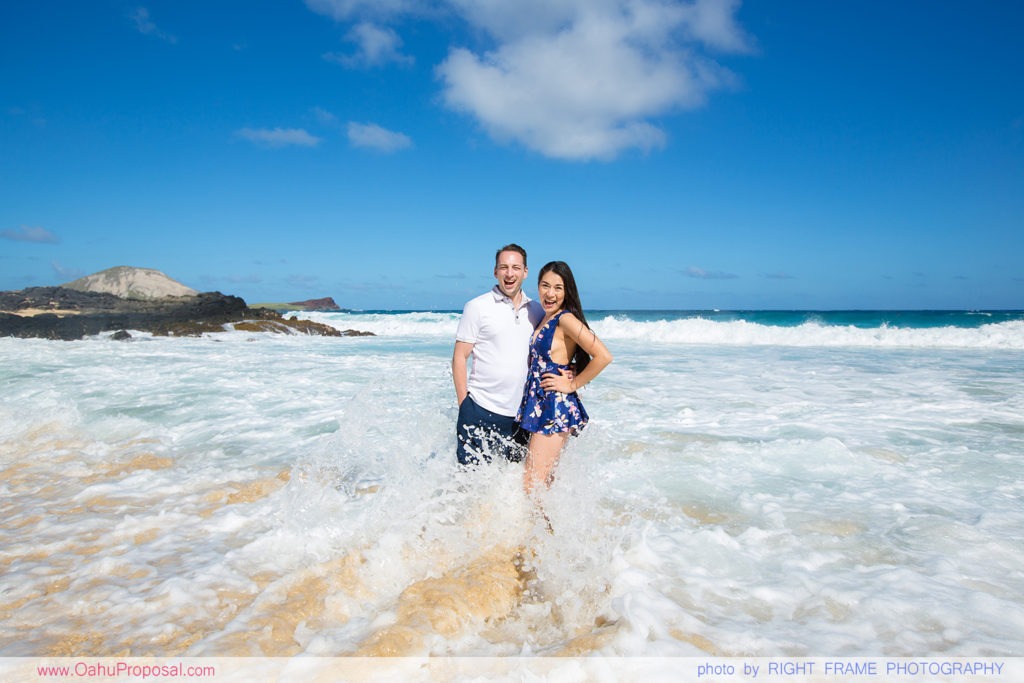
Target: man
{"points": [[495, 329]]}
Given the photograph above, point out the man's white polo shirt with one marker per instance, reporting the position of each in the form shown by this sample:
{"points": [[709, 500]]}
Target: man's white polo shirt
{"points": [[500, 335]]}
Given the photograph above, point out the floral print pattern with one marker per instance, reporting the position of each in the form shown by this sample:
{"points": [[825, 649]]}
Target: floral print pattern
{"points": [[548, 412]]}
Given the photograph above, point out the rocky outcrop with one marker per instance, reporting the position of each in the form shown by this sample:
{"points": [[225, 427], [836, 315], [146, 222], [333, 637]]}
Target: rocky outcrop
{"points": [[127, 282], [325, 304], [63, 313]]}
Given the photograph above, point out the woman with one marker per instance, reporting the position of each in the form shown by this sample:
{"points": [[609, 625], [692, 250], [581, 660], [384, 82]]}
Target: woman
{"points": [[563, 341]]}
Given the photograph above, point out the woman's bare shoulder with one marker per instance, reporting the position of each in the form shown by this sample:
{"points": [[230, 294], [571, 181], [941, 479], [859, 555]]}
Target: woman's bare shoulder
{"points": [[568, 319], [571, 325]]}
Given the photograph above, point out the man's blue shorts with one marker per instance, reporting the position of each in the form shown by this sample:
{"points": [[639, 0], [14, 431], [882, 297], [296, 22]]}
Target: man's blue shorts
{"points": [[482, 435]]}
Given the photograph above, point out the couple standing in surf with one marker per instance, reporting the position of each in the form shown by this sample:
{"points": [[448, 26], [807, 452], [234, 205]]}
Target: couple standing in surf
{"points": [[529, 359]]}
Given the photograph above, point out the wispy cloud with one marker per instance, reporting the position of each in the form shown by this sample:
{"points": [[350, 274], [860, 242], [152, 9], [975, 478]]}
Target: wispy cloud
{"points": [[575, 79], [145, 26], [66, 274], [230, 279], [303, 281], [372, 136], [35, 118], [375, 46], [27, 233], [778, 276], [324, 117], [279, 137], [344, 10], [701, 274]]}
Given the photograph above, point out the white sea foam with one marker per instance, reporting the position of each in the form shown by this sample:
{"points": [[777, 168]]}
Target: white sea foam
{"points": [[257, 494], [697, 330], [1006, 335]]}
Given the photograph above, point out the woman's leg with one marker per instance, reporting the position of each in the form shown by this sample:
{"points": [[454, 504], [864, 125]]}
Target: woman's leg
{"points": [[541, 459]]}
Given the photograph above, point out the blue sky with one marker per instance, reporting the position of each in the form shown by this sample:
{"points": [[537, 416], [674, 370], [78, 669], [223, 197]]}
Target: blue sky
{"points": [[708, 154]]}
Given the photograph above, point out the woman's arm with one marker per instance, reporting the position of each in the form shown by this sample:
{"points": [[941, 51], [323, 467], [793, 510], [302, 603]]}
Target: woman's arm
{"points": [[574, 329]]}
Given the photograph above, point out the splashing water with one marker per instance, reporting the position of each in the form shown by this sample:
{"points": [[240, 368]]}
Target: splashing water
{"points": [[261, 495]]}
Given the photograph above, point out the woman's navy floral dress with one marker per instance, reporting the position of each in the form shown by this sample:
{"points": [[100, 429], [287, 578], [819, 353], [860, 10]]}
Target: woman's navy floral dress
{"points": [[548, 412]]}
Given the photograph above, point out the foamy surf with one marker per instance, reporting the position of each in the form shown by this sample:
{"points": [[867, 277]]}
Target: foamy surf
{"points": [[252, 495], [893, 330]]}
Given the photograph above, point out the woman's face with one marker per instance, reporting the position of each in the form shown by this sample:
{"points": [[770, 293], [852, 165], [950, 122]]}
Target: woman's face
{"points": [[551, 292]]}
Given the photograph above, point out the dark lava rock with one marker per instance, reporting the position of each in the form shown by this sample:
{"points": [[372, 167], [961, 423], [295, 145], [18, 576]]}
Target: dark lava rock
{"points": [[81, 314]]}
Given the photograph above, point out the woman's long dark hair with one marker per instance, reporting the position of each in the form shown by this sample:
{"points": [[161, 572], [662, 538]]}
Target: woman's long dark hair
{"points": [[572, 304]]}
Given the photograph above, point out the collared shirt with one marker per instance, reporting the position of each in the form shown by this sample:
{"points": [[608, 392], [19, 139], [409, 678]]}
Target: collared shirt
{"points": [[500, 334]]}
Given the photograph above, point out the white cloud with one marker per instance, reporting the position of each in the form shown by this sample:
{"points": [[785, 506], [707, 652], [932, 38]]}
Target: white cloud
{"points": [[713, 23], [145, 25], [577, 95], [26, 233], [589, 88], [510, 21], [376, 46], [574, 79], [279, 137], [372, 136]]}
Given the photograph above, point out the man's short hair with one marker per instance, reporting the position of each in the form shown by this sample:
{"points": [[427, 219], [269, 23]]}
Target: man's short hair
{"points": [[510, 247]]}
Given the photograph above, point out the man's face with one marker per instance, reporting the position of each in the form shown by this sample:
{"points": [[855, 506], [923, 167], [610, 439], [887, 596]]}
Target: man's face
{"points": [[510, 273]]}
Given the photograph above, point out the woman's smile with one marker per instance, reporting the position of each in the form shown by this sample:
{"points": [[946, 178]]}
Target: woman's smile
{"points": [[551, 292]]}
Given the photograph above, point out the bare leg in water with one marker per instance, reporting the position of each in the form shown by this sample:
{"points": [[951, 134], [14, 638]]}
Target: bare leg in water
{"points": [[541, 460]]}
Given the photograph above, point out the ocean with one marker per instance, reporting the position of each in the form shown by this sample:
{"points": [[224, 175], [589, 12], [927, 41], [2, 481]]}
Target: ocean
{"points": [[751, 484]]}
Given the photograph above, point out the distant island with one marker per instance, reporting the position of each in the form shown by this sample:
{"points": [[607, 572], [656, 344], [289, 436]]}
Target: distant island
{"points": [[126, 298], [324, 304]]}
